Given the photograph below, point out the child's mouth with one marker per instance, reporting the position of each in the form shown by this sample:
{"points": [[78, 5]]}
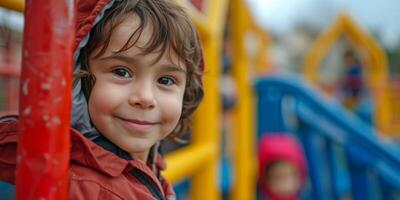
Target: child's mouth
{"points": [[137, 125]]}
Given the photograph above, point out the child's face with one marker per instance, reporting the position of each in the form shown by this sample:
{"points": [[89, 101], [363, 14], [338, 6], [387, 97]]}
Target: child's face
{"points": [[283, 179], [136, 101]]}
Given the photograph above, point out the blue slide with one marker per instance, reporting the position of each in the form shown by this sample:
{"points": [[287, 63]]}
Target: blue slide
{"points": [[347, 158]]}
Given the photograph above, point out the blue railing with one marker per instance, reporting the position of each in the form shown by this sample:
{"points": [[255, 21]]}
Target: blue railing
{"points": [[346, 158]]}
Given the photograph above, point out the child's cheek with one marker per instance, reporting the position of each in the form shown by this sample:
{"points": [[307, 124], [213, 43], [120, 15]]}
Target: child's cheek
{"points": [[172, 110], [104, 97]]}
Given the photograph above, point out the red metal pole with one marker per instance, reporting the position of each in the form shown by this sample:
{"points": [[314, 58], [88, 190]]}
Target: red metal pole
{"points": [[45, 100]]}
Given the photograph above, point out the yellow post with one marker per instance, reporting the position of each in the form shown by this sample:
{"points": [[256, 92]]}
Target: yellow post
{"points": [[244, 186], [200, 159], [207, 128], [189, 160]]}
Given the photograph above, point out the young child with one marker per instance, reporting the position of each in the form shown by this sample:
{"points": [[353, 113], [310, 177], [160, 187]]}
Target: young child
{"points": [[138, 66], [282, 167], [353, 85]]}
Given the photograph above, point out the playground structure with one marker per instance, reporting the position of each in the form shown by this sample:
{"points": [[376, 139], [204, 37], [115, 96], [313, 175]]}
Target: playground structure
{"points": [[199, 160], [376, 73], [346, 157], [244, 142]]}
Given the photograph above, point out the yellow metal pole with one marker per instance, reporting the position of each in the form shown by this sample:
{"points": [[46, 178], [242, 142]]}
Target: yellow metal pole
{"points": [[206, 128], [244, 158], [17, 5], [206, 125], [216, 20], [188, 161]]}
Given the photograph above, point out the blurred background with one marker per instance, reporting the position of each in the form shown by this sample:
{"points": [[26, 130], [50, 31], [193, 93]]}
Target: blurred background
{"points": [[325, 73]]}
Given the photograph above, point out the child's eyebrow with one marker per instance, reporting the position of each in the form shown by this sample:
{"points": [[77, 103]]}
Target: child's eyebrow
{"points": [[130, 59], [119, 56], [173, 68]]}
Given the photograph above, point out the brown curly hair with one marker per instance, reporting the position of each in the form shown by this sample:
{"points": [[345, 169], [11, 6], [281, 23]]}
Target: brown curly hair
{"points": [[173, 30]]}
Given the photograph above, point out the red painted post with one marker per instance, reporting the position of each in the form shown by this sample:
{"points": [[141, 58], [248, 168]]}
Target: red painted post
{"points": [[45, 100]]}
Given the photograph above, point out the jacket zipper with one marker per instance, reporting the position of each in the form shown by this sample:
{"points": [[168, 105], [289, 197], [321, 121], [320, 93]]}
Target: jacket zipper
{"points": [[148, 182]]}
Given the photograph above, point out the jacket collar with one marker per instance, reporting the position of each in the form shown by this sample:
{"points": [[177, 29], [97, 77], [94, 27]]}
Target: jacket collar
{"points": [[106, 157]]}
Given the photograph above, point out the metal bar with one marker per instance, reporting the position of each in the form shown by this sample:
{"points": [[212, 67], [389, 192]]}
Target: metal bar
{"points": [[210, 25], [314, 159], [206, 127], [187, 161], [45, 100], [360, 183], [244, 185], [333, 166]]}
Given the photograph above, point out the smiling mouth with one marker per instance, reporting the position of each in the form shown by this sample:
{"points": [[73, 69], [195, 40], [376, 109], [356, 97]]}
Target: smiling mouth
{"points": [[137, 125]]}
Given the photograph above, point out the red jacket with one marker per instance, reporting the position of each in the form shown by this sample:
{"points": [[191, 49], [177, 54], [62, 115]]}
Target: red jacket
{"points": [[95, 173]]}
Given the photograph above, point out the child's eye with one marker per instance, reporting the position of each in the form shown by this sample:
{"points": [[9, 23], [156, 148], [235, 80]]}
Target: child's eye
{"points": [[121, 72], [165, 80]]}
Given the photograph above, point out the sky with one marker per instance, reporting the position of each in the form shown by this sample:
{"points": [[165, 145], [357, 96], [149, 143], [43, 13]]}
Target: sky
{"points": [[381, 16]]}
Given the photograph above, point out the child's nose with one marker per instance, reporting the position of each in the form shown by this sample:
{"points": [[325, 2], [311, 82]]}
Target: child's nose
{"points": [[142, 96]]}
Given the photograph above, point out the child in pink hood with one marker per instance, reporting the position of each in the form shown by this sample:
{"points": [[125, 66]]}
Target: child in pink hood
{"points": [[282, 167]]}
